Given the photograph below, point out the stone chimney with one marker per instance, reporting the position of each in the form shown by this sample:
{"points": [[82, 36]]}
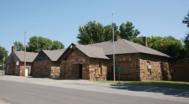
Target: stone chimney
{"points": [[13, 49], [116, 37], [145, 41]]}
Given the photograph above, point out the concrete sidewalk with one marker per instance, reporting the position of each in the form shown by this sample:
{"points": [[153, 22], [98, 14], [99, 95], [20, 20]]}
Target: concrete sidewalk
{"points": [[3, 101], [98, 87]]}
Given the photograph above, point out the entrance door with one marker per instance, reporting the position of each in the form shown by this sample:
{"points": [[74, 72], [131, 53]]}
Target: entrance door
{"points": [[80, 71], [77, 71]]}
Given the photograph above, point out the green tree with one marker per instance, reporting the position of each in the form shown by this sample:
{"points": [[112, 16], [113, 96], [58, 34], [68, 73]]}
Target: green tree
{"points": [[38, 43], [3, 55], [168, 45], [140, 40], [19, 46], [186, 41], [108, 31], [128, 31], [92, 32], [57, 45], [186, 19]]}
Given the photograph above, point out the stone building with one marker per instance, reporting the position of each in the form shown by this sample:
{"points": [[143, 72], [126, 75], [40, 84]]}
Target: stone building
{"points": [[46, 64], [15, 62], [133, 62], [84, 62]]}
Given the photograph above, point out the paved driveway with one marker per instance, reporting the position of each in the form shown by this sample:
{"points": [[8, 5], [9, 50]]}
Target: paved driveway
{"points": [[135, 91]]}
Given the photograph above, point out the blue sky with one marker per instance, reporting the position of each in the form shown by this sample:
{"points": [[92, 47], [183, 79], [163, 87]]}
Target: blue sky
{"points": [[60, 19]]}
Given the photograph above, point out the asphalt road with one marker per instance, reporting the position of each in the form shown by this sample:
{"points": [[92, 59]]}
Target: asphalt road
{"points": [[22, 93]]}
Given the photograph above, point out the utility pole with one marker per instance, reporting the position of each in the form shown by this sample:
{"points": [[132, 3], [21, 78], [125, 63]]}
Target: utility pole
{"points": [[113, 46], [24, 52], [3, 65]]}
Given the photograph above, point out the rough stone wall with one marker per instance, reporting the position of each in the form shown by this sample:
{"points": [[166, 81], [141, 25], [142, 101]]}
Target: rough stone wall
{"points": [[68, 66], [10, 69], [55, 72], [41, 68], [154, 68], [147, 73], [180, 70], [98, 69], [129, 67], [92, 69], [166, 70], [22, 70]]}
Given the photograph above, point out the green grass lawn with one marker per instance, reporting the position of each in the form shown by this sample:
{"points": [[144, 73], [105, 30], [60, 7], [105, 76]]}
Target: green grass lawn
{"points": [[169, 84]]}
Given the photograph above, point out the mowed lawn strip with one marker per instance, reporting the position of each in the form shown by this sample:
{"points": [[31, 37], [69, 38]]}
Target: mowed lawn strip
{"points": [[169, 84]]}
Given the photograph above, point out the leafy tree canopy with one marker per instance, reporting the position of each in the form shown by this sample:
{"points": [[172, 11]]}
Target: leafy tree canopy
{"points": [[19, 46], [57, 45], [168, 45], [38, 43], [128, 31], [186, 41], [3, 53], [186, 19], [94, 32]]}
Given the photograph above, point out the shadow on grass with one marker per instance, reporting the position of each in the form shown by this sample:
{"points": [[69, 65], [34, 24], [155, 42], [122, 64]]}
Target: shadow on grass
{"points": [[165, 87]]}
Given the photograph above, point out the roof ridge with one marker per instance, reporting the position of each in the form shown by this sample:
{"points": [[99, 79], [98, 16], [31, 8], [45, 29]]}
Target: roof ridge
{"points": [[100, 42], [27, 52], [88, 52], [133, 43], [54, 55]]}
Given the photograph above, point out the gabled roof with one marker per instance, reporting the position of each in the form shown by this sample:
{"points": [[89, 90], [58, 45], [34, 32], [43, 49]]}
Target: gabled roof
{"points": [[30, 56], [92, 51], [54, 55], [123, 46]]}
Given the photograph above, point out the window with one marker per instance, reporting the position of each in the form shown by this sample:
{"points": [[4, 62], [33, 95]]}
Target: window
{"points": [[149, 67]]}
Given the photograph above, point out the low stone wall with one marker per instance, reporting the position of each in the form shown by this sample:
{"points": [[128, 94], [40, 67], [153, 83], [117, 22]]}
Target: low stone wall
{"points": [[180, 70]]}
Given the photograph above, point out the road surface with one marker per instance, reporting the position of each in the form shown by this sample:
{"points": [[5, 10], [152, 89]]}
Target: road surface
{"points": [[24, 93]]}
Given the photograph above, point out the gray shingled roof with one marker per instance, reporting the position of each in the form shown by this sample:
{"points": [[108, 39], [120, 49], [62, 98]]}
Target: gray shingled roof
{"points": [[30, 56], [54, 55], [92, 51], [123, 46]]}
